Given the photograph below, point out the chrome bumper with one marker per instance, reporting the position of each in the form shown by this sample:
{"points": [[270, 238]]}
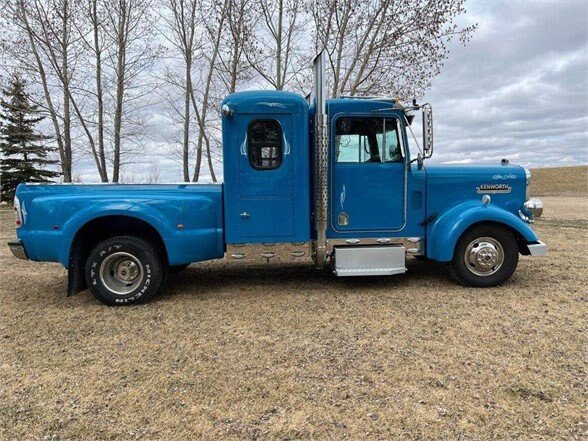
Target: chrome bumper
{"points": [[18, 250], [537, 249]]}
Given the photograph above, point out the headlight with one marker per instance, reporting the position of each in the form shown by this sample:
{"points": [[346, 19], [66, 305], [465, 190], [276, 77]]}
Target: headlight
{"points": [[528, 183], [535, 207]]}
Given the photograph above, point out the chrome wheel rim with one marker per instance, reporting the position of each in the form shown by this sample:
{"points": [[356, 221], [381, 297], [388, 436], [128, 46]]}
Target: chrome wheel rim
{"points": [[484, 256], [121, 273]]}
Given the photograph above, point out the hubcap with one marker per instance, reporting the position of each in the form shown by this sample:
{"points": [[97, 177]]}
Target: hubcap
{"points": [[484, 256], [121, 273]]}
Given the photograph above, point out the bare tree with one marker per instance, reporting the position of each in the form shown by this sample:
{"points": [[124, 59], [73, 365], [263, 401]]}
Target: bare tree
{"points": [[43, 48], [277, 55], [92, 35], [182, 20], [241, 20], [213, 18], [153, 173], [94, 62], [65, 38], [129, 27], [378, 46], [207, 41]]}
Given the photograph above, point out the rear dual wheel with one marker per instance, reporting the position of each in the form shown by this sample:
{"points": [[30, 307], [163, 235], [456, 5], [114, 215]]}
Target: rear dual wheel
{"points": [[125, 270], [486, 255]]}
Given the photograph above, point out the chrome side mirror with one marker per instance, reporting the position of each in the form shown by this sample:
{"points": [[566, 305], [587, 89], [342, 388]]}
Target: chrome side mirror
{"points": [[427, 130]]}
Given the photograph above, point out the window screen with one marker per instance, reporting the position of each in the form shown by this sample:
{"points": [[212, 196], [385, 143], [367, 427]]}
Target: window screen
{"points": [[367, 139], [264, 144]]}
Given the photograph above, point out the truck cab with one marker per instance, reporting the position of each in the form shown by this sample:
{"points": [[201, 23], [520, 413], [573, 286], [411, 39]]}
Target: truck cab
{"points": [[336, 183]]}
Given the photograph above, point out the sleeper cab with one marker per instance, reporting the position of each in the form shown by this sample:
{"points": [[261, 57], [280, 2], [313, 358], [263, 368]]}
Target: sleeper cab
{"points": [[266, 167]]}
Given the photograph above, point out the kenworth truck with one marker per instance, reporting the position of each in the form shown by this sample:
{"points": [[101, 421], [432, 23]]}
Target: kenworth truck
{"points": [[331, 182]]}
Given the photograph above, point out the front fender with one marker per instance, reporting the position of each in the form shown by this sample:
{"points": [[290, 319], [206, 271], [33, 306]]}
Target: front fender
{"points": [[444, 232]]}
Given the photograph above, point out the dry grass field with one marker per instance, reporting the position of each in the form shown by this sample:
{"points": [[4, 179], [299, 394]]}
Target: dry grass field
{"points": [[286, 353], [566, 181]]}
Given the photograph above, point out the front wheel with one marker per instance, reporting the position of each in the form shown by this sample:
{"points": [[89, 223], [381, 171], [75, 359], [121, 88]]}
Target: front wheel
{"points": [[486, 255], [124, 270]]}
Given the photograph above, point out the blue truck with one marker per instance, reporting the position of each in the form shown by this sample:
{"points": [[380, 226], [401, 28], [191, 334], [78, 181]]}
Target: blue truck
{"points": [[328, 182]]}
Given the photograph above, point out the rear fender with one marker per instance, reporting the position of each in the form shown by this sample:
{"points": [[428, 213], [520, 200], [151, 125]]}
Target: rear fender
{"points": [[139, 211], [444, 232]]}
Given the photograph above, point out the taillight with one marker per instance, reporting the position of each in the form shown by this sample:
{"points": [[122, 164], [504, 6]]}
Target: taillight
{"points": [[17, 213]]}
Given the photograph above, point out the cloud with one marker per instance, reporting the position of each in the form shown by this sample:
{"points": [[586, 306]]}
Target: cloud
{"points": [[519, 90]]}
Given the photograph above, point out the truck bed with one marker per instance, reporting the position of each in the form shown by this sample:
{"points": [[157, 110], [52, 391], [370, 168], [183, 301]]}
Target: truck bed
{"points": [[188, 218]]}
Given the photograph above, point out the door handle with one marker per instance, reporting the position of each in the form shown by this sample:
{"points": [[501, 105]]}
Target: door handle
{"points": [[244, 215]]}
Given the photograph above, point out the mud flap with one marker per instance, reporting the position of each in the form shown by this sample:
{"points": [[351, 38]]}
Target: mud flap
{"points": [[76, 281]]}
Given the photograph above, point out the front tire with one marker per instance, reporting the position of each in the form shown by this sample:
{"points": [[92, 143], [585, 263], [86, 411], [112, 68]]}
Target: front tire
{"points": [[124, 270], [486, 255]]}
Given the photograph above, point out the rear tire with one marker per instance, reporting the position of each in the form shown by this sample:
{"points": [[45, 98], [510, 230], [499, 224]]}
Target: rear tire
{"points": [[486, 255], [125, 270]]}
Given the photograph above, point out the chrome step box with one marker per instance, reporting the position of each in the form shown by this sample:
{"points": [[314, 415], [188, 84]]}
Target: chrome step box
{"points": [[370, 260]]}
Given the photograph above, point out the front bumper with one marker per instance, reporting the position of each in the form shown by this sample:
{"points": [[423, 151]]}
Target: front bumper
{"points": [[18, 250], [537, 249]]}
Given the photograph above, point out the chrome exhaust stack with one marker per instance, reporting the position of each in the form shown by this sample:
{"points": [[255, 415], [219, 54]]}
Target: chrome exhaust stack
{"points": [[320, 159]]}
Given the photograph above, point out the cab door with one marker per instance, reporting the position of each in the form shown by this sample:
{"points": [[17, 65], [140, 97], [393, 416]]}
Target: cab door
{"points": [[266, 182], [367, 175]]}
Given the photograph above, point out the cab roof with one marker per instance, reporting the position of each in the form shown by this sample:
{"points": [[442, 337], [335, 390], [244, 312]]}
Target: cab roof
{"points": [[266, 101], [279, 101], [362, 105]]}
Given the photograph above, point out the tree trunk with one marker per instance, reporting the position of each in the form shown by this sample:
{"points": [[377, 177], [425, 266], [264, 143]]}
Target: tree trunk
{"points": [[186, 143], [205, 98], [120, 90], [66, 95], [100, 96], [279, 85], [212, 174], [63, 149], [198, 156]]}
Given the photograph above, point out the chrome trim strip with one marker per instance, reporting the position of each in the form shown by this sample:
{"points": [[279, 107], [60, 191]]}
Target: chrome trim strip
{"points": [[413, 245], [369, 272], [526, 218], [17, 249], [537, 249], [270, 252]]}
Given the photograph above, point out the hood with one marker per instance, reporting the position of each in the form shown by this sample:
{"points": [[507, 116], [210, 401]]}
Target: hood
{"points": [[452, 184]]}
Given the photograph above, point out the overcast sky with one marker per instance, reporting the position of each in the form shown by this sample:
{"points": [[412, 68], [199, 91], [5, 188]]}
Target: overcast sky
{"points": [[518, 90]]}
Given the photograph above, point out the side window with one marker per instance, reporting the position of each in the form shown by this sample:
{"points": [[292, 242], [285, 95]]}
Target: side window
{"points": [[367, 139], [264, 144]]}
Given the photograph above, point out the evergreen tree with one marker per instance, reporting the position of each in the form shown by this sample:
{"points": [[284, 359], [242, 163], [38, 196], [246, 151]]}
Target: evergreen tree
{"points": [[23, 150]]}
